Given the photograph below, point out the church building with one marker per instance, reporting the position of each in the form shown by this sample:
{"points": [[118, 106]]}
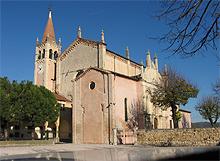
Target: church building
{"points": [[99, 90]]}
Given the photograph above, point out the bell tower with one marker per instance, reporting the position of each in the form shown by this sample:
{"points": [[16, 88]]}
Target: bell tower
{"points": [[46, 54]]}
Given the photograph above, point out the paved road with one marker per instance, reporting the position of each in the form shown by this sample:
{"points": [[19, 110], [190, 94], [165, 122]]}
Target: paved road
{"points": [[96, 152]]}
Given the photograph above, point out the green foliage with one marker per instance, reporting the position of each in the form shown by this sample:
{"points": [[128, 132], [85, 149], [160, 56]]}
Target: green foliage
{"points": [[209, 109], [172, 91], [27, 103], [178, 115], [5, 89]]}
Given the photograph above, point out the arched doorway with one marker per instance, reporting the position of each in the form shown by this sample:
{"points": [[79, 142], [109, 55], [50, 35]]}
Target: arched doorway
{"points": [[155, 123]]}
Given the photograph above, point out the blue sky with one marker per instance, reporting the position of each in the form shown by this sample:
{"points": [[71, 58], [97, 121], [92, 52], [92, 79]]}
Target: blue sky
{"points": [[124, 23]]}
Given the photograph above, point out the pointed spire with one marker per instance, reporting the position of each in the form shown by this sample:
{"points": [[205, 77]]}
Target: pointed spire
{"points": [[165, 70], [50, 15], [37, 41], [148, 60], [59, 42], [142, 63], [127, 53], [49, 29], [155, 61], [142, 67], [79, 34], [102, 36]]}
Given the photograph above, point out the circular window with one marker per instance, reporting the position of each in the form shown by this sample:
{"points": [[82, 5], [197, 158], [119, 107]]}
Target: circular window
{"points": [[92, 85]]}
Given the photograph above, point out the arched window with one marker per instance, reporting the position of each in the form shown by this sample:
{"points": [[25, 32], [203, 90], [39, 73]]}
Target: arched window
{"points": [[43, 55], [39, 55], [50, 53], [155, 123], [55, 55], [126, 109]]}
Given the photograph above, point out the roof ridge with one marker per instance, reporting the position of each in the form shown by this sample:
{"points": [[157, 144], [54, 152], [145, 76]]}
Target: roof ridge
{"points": [[74, 43], [123, 57]]}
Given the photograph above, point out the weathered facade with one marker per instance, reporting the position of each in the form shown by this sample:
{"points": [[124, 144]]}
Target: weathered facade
{"points": [[103, 89]]}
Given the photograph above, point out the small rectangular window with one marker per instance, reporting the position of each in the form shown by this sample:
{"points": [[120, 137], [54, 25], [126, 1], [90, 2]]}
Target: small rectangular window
{"points": [[126, 109]]}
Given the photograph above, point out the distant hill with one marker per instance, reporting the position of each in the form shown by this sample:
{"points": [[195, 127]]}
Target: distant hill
{"points": [[203, 124]]}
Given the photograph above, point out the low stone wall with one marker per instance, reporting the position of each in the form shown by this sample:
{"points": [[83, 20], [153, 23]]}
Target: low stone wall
{"points": [[180, 137], [26, 142]]}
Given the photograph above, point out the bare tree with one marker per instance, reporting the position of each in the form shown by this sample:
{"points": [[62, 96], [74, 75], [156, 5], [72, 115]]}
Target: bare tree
{"points": [[193, 25], [136, 116], [209, 109]]}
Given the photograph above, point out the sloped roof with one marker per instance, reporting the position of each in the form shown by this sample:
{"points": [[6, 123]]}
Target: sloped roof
{"points": [[184, 111], [75, 43], [135, 78], [61, 98], [123, 57], [94, 44]]}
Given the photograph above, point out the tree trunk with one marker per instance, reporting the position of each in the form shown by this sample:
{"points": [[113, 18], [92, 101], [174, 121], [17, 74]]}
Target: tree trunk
{"points": [[211, 122], [32, 132], [6, 131], [175, 121], [42, 132]]}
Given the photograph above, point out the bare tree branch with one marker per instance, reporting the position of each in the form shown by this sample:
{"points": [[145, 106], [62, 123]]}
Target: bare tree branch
{"points": [[194, 26]]}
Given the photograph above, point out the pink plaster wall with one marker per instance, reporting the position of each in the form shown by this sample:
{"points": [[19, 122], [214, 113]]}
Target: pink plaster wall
{"points": [[93, 104], [125, 88]]}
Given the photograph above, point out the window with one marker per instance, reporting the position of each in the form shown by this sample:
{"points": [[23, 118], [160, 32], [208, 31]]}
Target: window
{"points": [[92, 85], [39, 55], [50, 53], [55, 55], [43, 55], [155, 123], [171, 123], [126, 109]]}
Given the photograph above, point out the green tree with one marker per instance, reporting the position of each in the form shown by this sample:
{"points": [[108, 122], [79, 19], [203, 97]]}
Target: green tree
{"points": [[172, 91], [28, 104], [5, 90], [209, 109]]}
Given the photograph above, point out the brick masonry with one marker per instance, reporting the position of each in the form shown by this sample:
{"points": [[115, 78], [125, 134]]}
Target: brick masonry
{"points": [[180, 137]]}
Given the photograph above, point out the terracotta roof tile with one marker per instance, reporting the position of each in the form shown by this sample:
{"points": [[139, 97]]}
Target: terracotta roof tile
{"points": [[49, 30], [61, 98]]}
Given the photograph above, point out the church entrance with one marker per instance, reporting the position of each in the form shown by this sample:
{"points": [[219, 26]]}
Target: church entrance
{"points": [[65, 131]]}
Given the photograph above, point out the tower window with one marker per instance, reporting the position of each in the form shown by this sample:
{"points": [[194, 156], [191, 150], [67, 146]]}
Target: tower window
{"points": [[126, 109], [43, 54], [55, 55], [50, 53], [39, 55]]}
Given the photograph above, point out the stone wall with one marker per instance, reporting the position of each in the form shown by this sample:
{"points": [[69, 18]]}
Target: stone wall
{"points": [[180, 137]]}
